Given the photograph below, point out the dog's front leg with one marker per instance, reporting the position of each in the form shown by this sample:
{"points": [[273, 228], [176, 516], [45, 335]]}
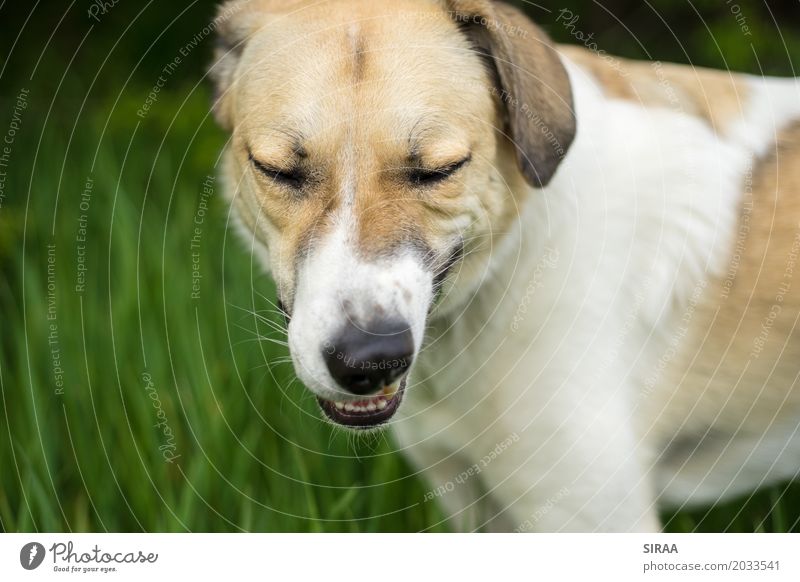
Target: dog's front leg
{"points": [[574, 464], [445, 473]]}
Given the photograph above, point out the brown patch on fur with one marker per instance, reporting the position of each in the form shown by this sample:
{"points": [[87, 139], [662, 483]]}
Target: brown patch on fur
{"points": [[717, 97], [738, 370]]}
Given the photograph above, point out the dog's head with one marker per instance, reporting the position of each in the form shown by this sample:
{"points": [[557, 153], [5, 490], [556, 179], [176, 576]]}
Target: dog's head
{"points": [[375, 146]]}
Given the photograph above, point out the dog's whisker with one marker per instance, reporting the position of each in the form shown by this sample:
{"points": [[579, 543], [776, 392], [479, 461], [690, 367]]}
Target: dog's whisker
{"points": [[272, 303], [256, 333], [274, 326], [263, 339], [261, 320]]}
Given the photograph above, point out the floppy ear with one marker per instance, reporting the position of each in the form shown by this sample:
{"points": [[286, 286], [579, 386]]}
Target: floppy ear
{"points": [[533, 84]]}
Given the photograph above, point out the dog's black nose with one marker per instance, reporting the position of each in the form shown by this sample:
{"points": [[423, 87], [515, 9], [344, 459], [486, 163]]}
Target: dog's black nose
{"points": [[363, 361]]}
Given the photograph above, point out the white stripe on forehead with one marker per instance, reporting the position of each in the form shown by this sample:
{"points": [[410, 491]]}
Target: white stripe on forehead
{"points": [[354, 35], [349, 157], [349, 184]]}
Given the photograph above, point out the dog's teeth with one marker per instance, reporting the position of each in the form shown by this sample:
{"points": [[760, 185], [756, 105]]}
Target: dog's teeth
{"points": [[390, 391], [363, 406]]}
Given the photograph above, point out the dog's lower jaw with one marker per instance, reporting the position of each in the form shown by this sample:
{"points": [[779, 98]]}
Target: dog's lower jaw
{"points": [[368, 413]]}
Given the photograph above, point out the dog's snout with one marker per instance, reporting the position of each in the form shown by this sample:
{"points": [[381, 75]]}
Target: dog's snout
{"points": [[364, 360]]}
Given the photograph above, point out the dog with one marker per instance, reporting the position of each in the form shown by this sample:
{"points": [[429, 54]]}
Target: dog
{"points": [[566, 282]]}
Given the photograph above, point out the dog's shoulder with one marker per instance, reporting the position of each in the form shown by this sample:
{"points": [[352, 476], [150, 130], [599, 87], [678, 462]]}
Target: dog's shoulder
{"points": [[719, 98]]}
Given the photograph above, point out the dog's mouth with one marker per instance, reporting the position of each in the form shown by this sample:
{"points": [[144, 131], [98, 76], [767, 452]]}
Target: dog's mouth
{"points": [[368, 412]]}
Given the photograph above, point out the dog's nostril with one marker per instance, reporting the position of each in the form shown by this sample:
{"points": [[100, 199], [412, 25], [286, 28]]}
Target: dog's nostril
{"points": [[358, 384], [363, 361]]}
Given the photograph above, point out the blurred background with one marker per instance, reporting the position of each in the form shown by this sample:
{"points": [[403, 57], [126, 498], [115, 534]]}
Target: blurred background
{"points": [[143, 383]]}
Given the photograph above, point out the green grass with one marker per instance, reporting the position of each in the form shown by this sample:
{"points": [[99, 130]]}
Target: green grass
{"points": [[253, 452]]}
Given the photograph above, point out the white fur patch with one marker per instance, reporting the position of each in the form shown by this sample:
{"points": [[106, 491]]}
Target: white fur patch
{"points": [[334, 284]]}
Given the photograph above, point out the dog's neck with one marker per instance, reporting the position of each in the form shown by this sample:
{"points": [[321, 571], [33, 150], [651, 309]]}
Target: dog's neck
{"points": [[482, 285], [498, 293], [587, 233]]}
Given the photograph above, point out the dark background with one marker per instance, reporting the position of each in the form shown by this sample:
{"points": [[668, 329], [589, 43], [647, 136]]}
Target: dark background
{"points": [[135, 35]]}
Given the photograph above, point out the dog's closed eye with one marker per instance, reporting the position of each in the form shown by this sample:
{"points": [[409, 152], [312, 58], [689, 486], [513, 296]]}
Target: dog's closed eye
{"points": [[293, 178], [429, 177]]}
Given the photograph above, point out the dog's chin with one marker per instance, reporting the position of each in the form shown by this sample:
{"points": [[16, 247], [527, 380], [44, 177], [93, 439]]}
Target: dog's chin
{"points": [[368, 413]]}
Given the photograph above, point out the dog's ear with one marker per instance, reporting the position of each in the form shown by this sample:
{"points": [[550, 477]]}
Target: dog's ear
{"points": [[235, 23], [533, 84]]}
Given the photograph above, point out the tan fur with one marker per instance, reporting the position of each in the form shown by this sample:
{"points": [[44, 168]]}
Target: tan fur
{"points": [[717, 97], [742, 343]]}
